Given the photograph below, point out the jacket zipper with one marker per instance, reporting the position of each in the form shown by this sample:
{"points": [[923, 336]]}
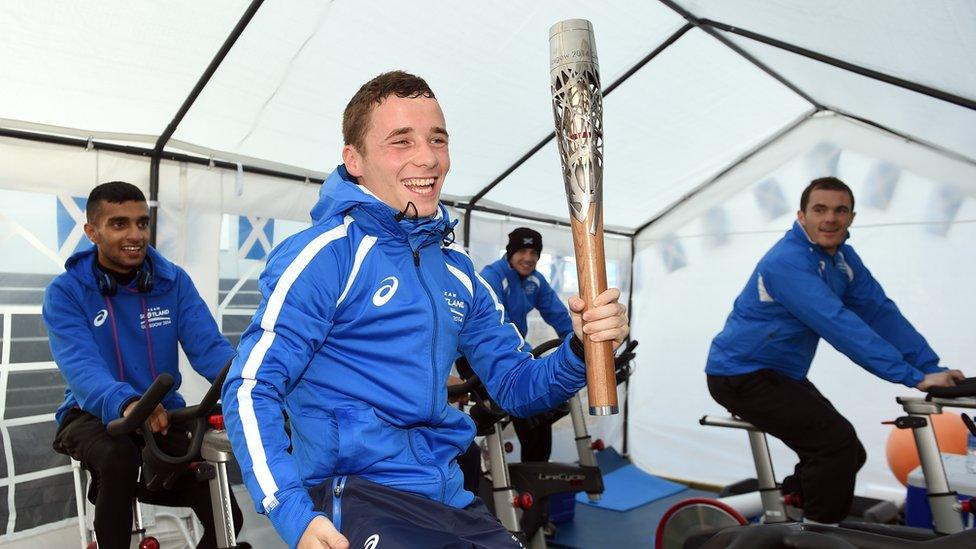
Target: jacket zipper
{"points": [[433, 365], [433, 336]]}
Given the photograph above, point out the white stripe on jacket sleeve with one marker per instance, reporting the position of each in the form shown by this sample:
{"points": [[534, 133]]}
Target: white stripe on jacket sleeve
{"points": [[249, 421]]}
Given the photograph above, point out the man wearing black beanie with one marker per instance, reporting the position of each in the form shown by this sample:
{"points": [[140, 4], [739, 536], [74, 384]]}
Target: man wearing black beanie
{"points": [[521, 288]]}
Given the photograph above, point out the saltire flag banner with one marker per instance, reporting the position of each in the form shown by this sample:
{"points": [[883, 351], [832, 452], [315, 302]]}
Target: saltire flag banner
{"points": [[254, 237], [673, 254], [822, 160], [879, 185], [770, 199], [944, 205], [71, 225]]}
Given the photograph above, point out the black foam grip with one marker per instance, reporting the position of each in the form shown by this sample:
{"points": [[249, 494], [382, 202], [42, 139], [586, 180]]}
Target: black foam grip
{"points": [[144, 407]]}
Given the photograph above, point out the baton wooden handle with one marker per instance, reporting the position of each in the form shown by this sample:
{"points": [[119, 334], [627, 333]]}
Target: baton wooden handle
{"points": [[591, 267]]}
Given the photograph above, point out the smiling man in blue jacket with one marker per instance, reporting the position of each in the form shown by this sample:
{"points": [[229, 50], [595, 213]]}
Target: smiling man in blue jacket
{"points": [[812, 285], [114, 320], [362, 317], [521, 288]]}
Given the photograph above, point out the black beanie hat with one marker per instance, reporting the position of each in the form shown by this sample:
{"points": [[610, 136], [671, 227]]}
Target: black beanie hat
{"points": [[523, 237]]}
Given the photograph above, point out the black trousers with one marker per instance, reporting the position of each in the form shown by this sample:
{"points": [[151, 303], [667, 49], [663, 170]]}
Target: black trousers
{"points": [[796, 413], [535, 437], [114, 463]]}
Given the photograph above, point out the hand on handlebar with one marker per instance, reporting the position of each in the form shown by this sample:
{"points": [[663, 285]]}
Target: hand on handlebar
{"points": [[460, 399], [940, 379], [158, 419], [322, 534]]}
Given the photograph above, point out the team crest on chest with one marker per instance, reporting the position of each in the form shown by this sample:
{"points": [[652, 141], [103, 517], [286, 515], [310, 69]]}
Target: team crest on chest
{"points": [[455, 305]]}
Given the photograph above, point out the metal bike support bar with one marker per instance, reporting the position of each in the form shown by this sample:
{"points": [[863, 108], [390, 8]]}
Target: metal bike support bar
{"points": [[968, 402], [503, 495], [584, 446], [774, 509], [731, 422], [942, 500], [80, 502], [138, 522], [217, 450]]}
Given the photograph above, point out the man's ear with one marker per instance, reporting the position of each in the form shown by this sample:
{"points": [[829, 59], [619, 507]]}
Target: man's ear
{"points": [[90, 232], [800, 217], [353, 161]]}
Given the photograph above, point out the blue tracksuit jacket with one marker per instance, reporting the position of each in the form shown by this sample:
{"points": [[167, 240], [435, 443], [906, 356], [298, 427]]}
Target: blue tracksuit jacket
{"points": [[797, 294], [361, 320], [520, 296], [106, 350]]}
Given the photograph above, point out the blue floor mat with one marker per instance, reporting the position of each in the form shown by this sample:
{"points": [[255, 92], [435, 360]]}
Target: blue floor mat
{"points": [[628, 487], [609, 460], [595, 528], [599, 528]]}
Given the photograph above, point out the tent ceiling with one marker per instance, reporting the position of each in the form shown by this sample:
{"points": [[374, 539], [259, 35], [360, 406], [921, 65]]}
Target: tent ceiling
{"points": [[931, 43], [909, 112], [286, 101], [119, 69], [687, 114], [112, 66]]}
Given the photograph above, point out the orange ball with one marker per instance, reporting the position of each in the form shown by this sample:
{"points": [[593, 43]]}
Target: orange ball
{"points": [[950, 431]]}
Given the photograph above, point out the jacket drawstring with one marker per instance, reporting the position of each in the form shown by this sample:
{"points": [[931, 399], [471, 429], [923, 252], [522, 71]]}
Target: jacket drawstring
{"points": [[115, 337]]}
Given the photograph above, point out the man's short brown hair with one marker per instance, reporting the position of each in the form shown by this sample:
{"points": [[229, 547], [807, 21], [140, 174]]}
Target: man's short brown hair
{"points": [[355, 119], [826, 184]]}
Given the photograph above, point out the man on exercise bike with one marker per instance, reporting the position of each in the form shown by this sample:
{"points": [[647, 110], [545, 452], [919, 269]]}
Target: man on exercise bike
{"points": [[812, 285], [362, 316], [521, 288], [114, 320]]}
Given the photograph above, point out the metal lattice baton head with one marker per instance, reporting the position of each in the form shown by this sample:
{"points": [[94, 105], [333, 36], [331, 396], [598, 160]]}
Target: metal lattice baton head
{"points": [[577, 106]]}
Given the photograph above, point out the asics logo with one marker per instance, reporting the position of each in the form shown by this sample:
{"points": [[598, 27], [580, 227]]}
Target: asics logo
{"points": [[100, 318], [374, 540], [386, 291]]}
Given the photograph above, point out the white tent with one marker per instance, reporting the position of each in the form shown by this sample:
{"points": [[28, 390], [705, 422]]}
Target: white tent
{"points": [[716, 115]]}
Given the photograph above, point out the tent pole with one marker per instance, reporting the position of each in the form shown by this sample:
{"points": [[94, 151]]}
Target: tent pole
{"points": [[144, 152], [525, 157], [630, 316], [857, 69], [184, 108], [731, 45], [931, 146]]}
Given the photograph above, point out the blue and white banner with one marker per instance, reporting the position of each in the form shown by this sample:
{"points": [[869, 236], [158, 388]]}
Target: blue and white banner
{"points": [[673, 253], [770, 199], [254, 237], [879, 185], [71, 225]]}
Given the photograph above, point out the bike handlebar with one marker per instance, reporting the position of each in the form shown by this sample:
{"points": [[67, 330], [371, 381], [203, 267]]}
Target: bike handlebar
{"points": [[143, 408], [962, 388], [207, 404], [464, 387]]}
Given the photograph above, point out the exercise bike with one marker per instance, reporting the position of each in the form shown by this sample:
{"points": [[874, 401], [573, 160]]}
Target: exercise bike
{"points": [[207, 439], [689, 523], [518, 489]]}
